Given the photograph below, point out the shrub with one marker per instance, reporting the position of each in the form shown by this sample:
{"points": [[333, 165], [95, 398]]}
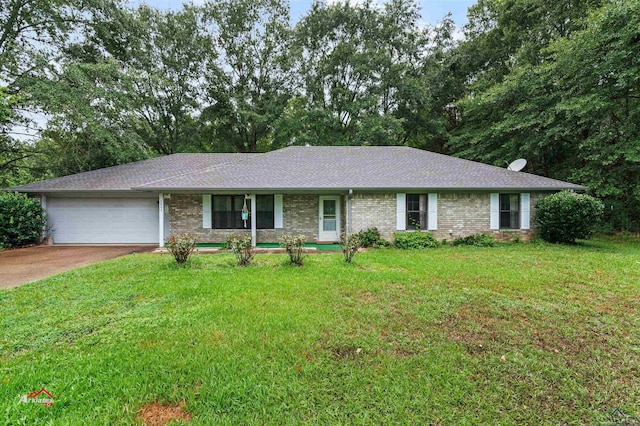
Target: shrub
{"points": [[350, 244], [294, 245], [22, 220], [477, 240], [566, 216], [371, 238], [240, 245], [414, 240], [181, 246]]}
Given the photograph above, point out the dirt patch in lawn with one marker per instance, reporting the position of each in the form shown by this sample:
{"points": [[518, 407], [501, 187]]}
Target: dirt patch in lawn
{"points": [[158, 414]]}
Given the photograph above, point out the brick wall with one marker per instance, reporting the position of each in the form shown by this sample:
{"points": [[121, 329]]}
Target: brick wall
{"points": [[459, 215], [374, 210], [300, 217]]}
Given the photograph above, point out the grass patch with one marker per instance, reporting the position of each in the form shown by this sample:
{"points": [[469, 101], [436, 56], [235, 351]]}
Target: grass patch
{"points": [[515, 334]]}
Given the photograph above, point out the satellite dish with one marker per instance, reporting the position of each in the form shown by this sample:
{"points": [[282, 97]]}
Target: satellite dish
{"points": [[517, 165]]}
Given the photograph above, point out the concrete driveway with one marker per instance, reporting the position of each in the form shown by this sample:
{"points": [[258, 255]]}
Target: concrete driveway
{"points": [[24, 265]]}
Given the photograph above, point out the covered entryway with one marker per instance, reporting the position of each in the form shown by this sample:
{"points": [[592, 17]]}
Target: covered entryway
{"points": [[103, 220]]}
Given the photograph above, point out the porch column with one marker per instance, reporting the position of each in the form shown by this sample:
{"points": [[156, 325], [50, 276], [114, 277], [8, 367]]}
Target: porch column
{"points": [[254, 213], [161, 219]]}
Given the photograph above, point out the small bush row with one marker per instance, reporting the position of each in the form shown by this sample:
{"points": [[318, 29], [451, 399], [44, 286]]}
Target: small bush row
{"points": [[414, 240], [477, 240]]}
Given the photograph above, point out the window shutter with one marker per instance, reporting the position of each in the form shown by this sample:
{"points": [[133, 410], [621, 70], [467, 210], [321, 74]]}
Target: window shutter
{"points": [[401, 212], [278, 218], [206, 211], [525, 210], [433, 212], [494, 222]]}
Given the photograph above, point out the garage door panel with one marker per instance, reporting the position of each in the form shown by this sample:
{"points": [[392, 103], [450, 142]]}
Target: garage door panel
{"points": [[103, 220]]}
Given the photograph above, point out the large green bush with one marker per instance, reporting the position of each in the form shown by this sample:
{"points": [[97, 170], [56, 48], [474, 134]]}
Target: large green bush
{"points": [[414, 240], [566, 216], [22, 220]]}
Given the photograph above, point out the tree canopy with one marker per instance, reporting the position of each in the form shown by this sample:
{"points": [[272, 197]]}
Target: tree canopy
{"points": [[554, 82]]}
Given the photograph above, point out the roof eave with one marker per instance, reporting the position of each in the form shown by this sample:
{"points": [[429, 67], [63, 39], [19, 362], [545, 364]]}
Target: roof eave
{"points": [[361, 189]]}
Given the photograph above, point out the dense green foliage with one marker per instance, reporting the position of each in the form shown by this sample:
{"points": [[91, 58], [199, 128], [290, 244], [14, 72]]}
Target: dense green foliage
{"points": [[557, 83], [414, 240], [477, 240], [371, 237], [566, 216], [22, 220], [181, 246], [554, 82], [450, 336]]}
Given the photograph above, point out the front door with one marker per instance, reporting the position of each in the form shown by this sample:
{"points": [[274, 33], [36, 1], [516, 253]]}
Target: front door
{"points": [[329, 219]]}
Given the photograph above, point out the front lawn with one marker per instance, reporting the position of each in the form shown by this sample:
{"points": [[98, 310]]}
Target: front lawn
{"points": [[515, 334]]}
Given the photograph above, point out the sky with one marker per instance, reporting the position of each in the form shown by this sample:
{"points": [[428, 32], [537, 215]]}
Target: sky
{"points": [[432, 10]]}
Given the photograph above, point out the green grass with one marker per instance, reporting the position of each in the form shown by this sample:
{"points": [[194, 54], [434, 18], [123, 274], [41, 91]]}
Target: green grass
{"points": [[320, 247], [515, 334]]}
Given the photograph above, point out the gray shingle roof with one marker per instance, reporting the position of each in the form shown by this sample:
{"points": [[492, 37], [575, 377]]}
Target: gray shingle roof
{"points": [[304, 168], [127, 176]]}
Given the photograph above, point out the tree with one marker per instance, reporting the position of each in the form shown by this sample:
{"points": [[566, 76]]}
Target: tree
{"points": [[572, 113], [250, 80], [354, 60], [32, 34]]}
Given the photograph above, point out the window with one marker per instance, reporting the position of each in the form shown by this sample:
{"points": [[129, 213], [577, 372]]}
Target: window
{"points": [[416, 211], [509, 211], [226, 212], [264, 206]]}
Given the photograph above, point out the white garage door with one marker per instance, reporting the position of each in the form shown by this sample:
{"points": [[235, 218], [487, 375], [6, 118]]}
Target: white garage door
{"points": [[103, 220]]}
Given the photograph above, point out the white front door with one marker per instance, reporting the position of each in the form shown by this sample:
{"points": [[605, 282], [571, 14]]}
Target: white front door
{"points": [[329, 219]]}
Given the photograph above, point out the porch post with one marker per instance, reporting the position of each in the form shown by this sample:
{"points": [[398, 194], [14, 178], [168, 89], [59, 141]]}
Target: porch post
{"points": [[349, 221], [254, 213], [161, 219]]}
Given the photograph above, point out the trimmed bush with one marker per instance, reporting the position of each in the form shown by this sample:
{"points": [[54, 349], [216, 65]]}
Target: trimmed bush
{"points": [[240, 245], [414, 240], [477, 240], [181, 246], [294, 245], [371, 238], [350, 243], [22, 220], [566, 216]]}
